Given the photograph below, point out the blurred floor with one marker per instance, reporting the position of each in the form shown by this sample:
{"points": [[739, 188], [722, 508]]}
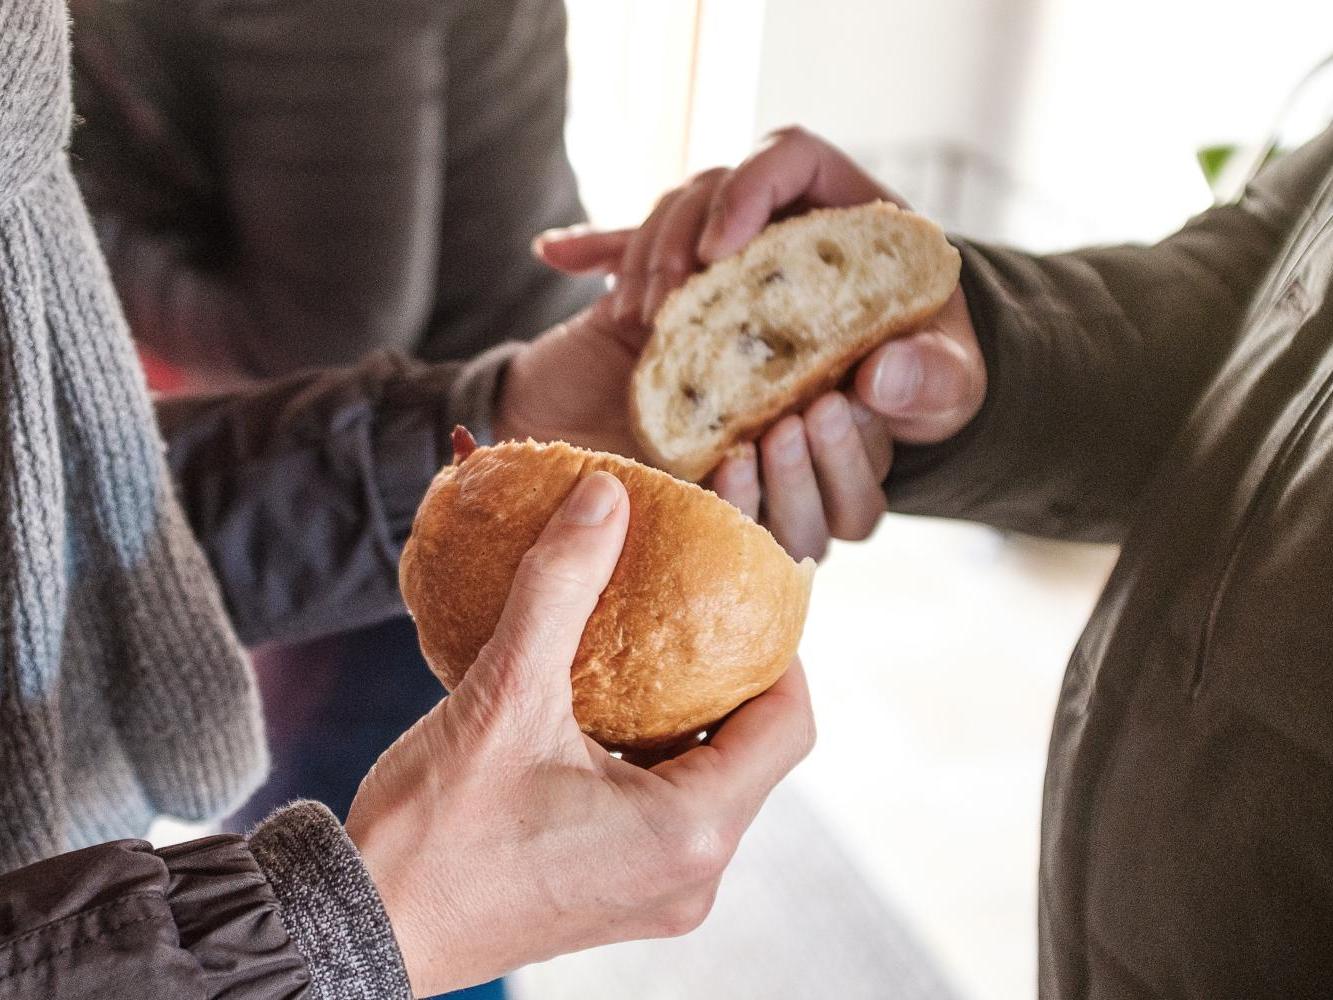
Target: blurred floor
{"points": [[795, 917], [903, 853]]}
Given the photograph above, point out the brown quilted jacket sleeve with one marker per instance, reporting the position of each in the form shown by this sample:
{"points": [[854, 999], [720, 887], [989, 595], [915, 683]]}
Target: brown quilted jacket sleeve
{"points": [[302, 490], [289, 913]]}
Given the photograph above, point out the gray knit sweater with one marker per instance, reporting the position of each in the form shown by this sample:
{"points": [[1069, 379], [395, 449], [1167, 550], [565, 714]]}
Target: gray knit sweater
{"points": [[123, 692]]}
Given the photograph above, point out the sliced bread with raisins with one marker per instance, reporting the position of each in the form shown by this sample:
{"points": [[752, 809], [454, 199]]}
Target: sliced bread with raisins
{"points": [[767, 330]]}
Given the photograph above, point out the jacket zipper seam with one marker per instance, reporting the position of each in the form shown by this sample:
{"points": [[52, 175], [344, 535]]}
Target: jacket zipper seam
{"points": [[1263, 493], [1300, 243]]}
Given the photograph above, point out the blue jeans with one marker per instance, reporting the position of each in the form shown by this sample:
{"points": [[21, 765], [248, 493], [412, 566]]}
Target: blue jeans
{"points": [[332, 707]]}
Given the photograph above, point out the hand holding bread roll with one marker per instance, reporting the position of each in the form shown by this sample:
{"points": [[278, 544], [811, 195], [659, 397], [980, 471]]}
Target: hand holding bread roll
{"points": [[704, 609], [497, 834]]}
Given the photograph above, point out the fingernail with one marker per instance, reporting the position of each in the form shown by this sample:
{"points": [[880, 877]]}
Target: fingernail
{"points": [[592, 500], [560, 233], [898, 379], [831, 421], [742, 468], [539, 241], [789, 446]]}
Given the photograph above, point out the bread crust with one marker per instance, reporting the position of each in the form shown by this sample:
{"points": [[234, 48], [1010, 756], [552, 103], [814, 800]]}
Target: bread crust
{"points": [[703, 611], [751, 424]]}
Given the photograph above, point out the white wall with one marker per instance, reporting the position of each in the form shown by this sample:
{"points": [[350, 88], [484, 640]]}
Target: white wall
{"points": [[878, 78], [866, 72], [1122, 95], [1095, 109], [631, 63]]}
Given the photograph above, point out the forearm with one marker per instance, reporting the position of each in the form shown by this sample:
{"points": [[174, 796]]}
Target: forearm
{"points": [[302, 491], [1094, 360]]}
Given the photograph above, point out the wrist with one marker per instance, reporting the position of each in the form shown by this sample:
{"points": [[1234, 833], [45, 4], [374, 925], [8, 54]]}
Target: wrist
{"points": [[390, 869]]}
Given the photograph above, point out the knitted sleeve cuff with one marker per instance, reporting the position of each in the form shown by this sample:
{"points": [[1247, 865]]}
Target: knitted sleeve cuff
{"points": [[330, 907], [477, 391]]}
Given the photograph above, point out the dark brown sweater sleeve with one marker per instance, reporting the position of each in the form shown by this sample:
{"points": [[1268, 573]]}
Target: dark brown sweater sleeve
{"points": [[1095, 359], [281, 185], [316, 134]]}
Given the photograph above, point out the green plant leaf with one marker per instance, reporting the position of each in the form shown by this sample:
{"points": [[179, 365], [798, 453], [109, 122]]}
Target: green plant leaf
{"points": [[1213, 160]]}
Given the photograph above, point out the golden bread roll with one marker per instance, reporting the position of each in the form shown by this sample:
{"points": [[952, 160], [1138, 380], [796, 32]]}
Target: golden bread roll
{"points": [[703, 611]]}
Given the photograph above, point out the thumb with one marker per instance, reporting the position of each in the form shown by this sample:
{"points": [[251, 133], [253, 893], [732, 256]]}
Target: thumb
{"points": [[930, 385], [554, 592]]}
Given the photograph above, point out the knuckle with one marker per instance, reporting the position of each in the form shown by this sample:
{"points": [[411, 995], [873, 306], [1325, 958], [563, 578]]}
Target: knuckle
{"points": [[790, 133], [861, 524], [549, 576], [664, 203], [497, 686], [671, 261], [710, 177], [860, 531], [855, 527], [807, 736], [726, 199], [732, 192], [697, 853], [685, 915]]}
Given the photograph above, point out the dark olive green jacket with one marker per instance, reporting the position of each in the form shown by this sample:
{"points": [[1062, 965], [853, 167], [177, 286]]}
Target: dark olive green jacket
{"points": [[1177, 399]]}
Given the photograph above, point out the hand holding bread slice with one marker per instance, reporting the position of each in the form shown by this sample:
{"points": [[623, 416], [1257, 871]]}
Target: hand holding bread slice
{"points": [[767, 330]]}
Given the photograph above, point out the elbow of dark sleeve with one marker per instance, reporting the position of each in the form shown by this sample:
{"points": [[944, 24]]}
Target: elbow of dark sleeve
{"points": [[301, 491]]}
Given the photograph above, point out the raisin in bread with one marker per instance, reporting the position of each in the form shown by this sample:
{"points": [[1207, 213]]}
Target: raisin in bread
{"points": [[763, 332]]}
